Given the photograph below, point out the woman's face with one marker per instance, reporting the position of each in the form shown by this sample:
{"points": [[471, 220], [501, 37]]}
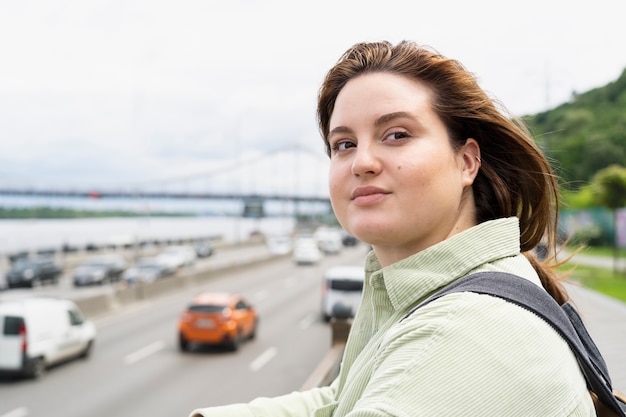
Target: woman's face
{"points": [[395, 180]]}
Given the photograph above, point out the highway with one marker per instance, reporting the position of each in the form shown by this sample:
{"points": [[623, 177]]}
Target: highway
{"points": [[136, 368]]}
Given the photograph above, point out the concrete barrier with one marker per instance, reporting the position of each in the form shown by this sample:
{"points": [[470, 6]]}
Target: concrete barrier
{"points": [[96, 305], [101, 304]]}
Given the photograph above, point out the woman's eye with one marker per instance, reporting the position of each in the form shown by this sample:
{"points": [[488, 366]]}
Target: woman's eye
{"points": [[397, 135], [342, 145]]}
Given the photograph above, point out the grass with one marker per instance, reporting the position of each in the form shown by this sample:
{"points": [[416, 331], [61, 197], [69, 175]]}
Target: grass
{"points": [[604, 251], [602, 280]]}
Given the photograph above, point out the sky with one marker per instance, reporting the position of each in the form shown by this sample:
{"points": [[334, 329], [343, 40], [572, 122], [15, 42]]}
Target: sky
{"points": [[220, 95]]}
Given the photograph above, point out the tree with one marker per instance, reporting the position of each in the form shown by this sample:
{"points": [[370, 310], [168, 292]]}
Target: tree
{"points": [[609, 186]]}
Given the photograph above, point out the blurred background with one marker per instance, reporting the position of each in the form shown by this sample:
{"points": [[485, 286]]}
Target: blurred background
{"points": [[105, 105], [131, 128]]}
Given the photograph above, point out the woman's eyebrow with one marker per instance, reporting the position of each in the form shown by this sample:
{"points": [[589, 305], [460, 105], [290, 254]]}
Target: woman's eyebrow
{"points": [[391, 116], [339, 129], [385, 118]]}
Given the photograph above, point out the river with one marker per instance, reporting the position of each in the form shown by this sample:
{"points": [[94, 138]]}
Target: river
{"points": [[36, 234]]}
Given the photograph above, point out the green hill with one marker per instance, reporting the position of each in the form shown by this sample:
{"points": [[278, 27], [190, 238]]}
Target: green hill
{"points": [[584, 135]]}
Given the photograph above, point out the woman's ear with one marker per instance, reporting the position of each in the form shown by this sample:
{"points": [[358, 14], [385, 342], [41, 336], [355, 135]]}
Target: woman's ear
{"points": [[471, 161]]}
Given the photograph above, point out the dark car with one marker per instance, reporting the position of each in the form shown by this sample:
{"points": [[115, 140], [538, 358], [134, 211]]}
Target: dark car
{"points": [[31, 272], [3, 281], [347, 239], [100, 270]]}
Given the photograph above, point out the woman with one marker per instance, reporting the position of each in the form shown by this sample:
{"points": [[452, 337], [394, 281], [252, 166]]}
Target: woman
{"points": [[441, 182]]}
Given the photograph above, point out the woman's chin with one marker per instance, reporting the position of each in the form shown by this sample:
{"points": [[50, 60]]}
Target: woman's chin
{"points": [[370, 233]]}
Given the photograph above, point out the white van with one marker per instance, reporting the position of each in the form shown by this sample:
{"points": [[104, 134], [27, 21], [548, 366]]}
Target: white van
{"points": [[342, 284], [38, 332], [329, 240]]}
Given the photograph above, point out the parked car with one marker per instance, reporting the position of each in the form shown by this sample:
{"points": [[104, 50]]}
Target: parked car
{"points": [[36, 333], [147, 269], [306, 251], [31, 272], [342, 286], [217, 318], [99, 270]]}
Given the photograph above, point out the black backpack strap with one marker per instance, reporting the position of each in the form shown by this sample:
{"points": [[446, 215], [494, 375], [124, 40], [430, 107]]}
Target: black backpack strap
{"points": [[564, 319]]}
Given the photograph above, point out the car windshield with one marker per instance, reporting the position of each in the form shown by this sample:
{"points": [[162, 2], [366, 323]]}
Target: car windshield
{"points": [[148, 267], [23, 264], [206, 308], [346, 285], [97, 264]]}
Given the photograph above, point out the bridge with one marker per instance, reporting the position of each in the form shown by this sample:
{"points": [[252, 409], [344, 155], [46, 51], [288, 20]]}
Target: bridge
{"points": [[219, 185], [139, 194]]}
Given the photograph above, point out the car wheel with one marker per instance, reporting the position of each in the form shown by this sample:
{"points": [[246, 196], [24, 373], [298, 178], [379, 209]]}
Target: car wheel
{"points": [[252, 334], [37, 368], [183, 344], [87, 351], [236, 342]]}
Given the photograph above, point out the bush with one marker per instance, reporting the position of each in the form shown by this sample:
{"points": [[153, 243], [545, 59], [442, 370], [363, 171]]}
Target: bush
{"points": [[590, 236]]}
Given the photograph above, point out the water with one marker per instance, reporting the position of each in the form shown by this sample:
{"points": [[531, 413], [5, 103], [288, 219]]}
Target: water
{"points": [[35, 234]]}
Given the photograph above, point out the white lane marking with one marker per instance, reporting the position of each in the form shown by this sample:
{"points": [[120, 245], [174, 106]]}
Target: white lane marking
{"points": [[144, 352], [306, 322], [263, 359], [18, 412]]}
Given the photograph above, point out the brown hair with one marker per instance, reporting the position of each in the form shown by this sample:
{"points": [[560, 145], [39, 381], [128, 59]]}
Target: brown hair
{"points": [[515, 178]]}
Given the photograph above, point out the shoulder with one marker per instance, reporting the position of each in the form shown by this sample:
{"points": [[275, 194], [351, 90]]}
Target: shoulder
{"points": [[484, 346], [459, 316]]}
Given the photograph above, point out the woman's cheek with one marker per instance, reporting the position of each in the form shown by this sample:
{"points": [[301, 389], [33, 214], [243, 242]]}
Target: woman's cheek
{"points": [[334, 179], [336, 199]]}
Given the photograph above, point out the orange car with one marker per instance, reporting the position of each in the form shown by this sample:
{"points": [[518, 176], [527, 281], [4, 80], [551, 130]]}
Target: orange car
{"points": [[218, 319]]}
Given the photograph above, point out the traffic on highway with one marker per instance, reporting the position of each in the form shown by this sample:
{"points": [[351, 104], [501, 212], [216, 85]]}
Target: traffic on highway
{"points": [[136, 366]]}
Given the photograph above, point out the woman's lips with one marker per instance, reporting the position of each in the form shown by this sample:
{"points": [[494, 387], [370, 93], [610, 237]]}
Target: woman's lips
{"points": [[364, 196]]}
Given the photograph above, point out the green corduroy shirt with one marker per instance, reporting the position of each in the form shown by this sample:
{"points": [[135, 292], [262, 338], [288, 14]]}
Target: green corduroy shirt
{"points": [[465, 354]]}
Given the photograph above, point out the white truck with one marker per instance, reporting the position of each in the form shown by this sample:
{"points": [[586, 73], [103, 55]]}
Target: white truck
{"points": [[38, 332], [342, 288]]}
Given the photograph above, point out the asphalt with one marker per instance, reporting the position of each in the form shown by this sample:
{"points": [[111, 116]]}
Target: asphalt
{"points": [[605, 319]]}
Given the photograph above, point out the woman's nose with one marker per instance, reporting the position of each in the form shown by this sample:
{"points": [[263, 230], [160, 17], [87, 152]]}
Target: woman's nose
{"points": [[365, 161]]}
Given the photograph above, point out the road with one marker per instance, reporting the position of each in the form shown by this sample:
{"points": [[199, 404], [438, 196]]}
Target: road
{"points": [[136, 368], [604, 317]]}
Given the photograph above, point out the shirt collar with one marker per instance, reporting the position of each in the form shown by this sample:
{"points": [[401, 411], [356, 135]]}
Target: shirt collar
{"points": [[419, 275]]}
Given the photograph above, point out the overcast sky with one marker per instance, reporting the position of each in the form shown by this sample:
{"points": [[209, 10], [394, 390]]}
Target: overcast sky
{"points": [[104, 93]]}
